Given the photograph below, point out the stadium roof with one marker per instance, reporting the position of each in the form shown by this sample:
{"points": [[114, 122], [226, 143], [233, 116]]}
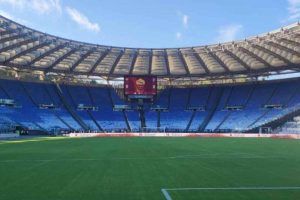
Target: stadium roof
{"points": [[24, 48]]}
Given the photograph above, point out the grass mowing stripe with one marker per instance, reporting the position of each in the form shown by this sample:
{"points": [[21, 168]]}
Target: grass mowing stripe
{"points": [[204, 156]]}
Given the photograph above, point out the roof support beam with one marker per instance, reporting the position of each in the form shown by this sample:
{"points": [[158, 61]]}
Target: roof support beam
{"points": [[186, 67], [201, 62], [150, 63], [18, 44], [26, 52], [290, 41], [13, 37], [221, 63], [87, 54], [245, 65], [112, 69], [271, 53], [243, 49], [8, 31], [104, 54], [60, 59], [47, 53], [167, 63], [284, 48], [133, 62]]}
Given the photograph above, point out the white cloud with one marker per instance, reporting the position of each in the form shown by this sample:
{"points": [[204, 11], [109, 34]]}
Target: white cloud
{"points": [[9, 16], [82, 20], [15, 3], [293, 10], [39, 6], [178, 35], [46, 6], [6, 14], [229, 33], [185, 20]]}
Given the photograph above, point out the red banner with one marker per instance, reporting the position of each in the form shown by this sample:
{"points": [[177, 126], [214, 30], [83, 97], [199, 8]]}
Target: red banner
{"points": [[140, 85]]}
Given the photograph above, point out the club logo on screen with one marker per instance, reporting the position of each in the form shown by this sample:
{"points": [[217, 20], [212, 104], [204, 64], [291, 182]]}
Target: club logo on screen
{"points": [[140, 85]]}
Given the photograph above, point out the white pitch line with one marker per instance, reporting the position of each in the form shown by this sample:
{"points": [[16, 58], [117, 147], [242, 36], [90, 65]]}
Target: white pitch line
{"points": [[166, 194], [168, 197]]}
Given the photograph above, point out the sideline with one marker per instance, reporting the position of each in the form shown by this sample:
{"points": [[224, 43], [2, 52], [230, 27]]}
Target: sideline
{"points": [[168, 196]]}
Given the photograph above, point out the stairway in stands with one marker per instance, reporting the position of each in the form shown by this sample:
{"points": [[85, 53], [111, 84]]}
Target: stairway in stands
{"points": [[212, 110], [69, 108]]}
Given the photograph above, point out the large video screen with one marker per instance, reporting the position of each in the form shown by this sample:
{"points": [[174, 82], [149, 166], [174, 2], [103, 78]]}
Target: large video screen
{"points": [[140, 85]]}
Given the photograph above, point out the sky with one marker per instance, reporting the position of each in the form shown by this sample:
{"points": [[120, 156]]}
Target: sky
{"points": [[153, 23]]}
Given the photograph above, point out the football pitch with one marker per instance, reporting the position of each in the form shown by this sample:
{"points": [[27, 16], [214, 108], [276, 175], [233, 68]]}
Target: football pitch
{"points": [[150, 169]]}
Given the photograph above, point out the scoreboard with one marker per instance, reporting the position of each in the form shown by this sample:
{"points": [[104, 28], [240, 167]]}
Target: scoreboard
{"points": [[140, 86]]}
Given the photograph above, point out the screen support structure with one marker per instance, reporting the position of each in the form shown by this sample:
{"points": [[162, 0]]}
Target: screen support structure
{"points": [[141, 90], [141, 111]]}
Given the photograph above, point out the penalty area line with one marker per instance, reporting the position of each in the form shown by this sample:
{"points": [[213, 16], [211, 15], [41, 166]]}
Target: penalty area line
{"points": [[168, 196]]}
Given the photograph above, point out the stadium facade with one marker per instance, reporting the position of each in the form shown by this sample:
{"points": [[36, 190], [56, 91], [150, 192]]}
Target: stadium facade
{"points": [[52, 84]]}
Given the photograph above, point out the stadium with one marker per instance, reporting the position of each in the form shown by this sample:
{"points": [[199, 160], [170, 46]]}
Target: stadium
{"points": [[89, 121]]}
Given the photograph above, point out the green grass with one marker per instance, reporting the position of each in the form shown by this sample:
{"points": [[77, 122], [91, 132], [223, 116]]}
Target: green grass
{"points": [[138, 168]]}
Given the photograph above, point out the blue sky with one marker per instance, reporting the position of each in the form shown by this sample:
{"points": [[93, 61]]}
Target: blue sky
{"points": [[153, 23]]}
